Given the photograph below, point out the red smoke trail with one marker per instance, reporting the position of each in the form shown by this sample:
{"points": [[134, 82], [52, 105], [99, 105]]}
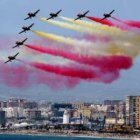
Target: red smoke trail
{"points": [[85, 73], [129, 23], [22, 76], [109, 63], [133, 23], [66, 70], [99, 20]]}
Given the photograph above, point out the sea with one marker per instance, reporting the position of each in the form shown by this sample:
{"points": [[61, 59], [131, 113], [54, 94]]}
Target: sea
{"points": [[41, 137]]}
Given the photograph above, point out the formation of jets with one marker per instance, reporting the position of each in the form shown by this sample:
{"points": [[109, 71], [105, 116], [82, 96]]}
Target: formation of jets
{"points": [[52, 16]]}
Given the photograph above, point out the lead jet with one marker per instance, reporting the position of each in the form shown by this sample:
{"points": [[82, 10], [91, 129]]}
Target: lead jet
{"points": [[30, 15], [19, 43], [25, 28], [107, 15], [54, 15], [12, 58], [80, 16]]}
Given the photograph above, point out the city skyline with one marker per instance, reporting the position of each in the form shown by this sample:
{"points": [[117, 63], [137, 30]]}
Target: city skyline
{"points": [[12, 18]]}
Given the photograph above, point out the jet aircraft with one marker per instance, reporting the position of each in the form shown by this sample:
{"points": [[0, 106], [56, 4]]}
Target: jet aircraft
{"points": [[54, 15], [30, 15], [80, 16], [25, 28], [107, 15], [19, 43], [12, 58]]}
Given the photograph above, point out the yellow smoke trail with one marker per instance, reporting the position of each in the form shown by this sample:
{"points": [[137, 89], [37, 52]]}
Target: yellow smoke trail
{"points": [[93, 29], [130, 48], [70, 26], [100, 29], [80, 22], [80, 45], [84, 26], [62, 39]]}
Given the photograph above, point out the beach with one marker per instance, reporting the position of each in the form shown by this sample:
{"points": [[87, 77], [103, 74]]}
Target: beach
{"points": [[86, 134]]}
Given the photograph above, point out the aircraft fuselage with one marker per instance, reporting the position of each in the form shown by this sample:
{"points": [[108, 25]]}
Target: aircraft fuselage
{"points": [[107, 15], [53, 15]]}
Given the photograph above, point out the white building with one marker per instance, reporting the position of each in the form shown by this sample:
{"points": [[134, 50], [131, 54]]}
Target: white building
{"points": [[14, 112], [66, 117]]}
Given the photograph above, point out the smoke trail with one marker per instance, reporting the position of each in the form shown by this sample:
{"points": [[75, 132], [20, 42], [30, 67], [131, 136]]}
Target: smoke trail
{"points": [[22, 76], [86, 24], [110, 63], [129, 23], [99, 20], [68, 26], [109, 23], [65, 70], [92, 30], [78, 72], [129, 46], [65, 40], [90, 25], [133, 23], [101, 30]]}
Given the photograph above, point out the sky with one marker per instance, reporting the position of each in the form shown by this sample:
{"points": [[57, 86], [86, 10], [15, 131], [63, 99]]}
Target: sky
{"points": [[12, 13]]}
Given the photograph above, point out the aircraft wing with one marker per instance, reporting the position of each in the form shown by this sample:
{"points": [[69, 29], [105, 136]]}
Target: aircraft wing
{"points": [[86, 12], [37, 11], [15, 46], [49, 18], [77, 18], [58, 12], [26, 18], [24, 40], [111, 12], [21, 32], [7, 61], [16, 54], [31, 25]]}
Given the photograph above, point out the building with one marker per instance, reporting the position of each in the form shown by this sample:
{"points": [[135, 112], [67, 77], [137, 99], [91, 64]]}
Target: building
{"points": [[2, 118], [79, 105], [133, 111], [33, 114], [62, 105], [14, 102], [111, 102], [31, 105], [84, 113], [3, 104], [66, 117]]}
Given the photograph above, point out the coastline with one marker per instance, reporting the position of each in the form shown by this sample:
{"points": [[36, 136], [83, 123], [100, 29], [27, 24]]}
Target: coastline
{"points": [[82, 135]]}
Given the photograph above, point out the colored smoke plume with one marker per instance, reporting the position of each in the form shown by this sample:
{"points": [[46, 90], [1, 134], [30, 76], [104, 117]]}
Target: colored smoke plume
{"points": [[99, 20], [110, 62], [22, 76], [84, 73]]}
